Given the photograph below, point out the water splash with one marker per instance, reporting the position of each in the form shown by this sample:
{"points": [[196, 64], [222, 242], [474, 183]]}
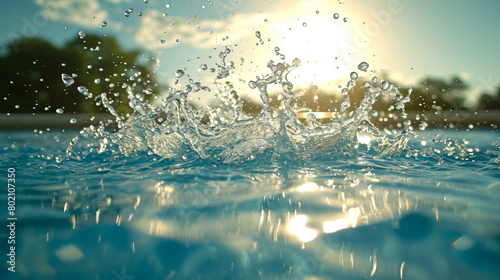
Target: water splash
{"points": [[175, 128], [67, 79]]}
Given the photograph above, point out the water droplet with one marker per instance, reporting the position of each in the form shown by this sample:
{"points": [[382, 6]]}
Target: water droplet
{"points": [[146, 1], [67, 79], [127, 14], [72, 121], [257, 34], [317, 12], [97, 81], [336, 16], [421, 126], [304, 24], [130, 10], [354, 75], [345, 19], [104, 24], [374, 80], [179, 73], [83, 90], [162, 41], [252, 84], [59, 111], [385, 85], [276, 49], [204, 67], [168, 5], [296, 62], [139, 14], [82, 34], [363, 66], [63, 64], [17, 106]]}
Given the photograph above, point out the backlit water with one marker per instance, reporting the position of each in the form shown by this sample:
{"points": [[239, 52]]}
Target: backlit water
{"points": [[107, 216]]}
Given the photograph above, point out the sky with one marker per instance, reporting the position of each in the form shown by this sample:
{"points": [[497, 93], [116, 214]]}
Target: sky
{"points": [[403, 39]]}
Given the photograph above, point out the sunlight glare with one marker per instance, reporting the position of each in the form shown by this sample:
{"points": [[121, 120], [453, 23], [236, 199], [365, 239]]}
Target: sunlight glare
{"points": [[322, 44], [297, 226]]}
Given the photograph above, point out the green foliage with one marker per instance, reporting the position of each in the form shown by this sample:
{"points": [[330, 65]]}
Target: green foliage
{"points": [[437, 95], [31, 75], [489, 101]]}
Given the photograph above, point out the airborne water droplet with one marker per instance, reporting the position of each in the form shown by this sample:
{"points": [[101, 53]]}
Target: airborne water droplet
{"points": [[363, 66], [257, 34], [72, 121], [162, 41], [83, 90], [385, 85], [82, 34], [304, 24], [104, 24], [336, 16], [67, 79], [345, 19], [59, 111], [179, 73], [354, 75], [168, 5], [204, 67]]}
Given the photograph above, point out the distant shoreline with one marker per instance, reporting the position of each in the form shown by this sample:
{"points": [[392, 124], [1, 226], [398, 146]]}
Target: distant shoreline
{"points": [[486, 119]]}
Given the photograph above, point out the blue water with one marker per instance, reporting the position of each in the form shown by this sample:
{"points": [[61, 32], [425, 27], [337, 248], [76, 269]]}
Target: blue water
{"points": [[107, 216]]}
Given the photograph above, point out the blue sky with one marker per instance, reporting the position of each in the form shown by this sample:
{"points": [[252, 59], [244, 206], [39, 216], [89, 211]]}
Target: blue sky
{"points": [[407, 39]]}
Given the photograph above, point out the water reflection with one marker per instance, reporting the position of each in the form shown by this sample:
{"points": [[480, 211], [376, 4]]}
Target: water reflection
{"points": [[351, 219]]}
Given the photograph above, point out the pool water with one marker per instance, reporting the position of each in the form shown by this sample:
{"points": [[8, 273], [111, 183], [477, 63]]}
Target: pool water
{"points": [[144, 216]]}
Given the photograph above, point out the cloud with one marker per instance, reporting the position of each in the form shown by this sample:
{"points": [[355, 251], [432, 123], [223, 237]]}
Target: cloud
{"points": [[87, 13], [159, 31]]}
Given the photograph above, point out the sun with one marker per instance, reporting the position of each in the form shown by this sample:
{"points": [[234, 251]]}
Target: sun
{"points": [[322, 45]]}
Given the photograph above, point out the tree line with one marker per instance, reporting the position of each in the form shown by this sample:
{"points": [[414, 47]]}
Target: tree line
{"points": [[31, 75], [31, 82]]}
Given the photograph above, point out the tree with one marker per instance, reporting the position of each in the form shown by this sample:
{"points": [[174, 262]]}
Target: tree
{"points": [[489, 101], [31, 76]]}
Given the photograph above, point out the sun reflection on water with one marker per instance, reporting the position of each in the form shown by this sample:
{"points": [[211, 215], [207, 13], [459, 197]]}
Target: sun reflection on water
{"points": [[297, 226]]}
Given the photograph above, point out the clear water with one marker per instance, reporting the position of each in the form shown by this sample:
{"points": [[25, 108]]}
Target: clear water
{"points": [[171, 192], [143, 216]]}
